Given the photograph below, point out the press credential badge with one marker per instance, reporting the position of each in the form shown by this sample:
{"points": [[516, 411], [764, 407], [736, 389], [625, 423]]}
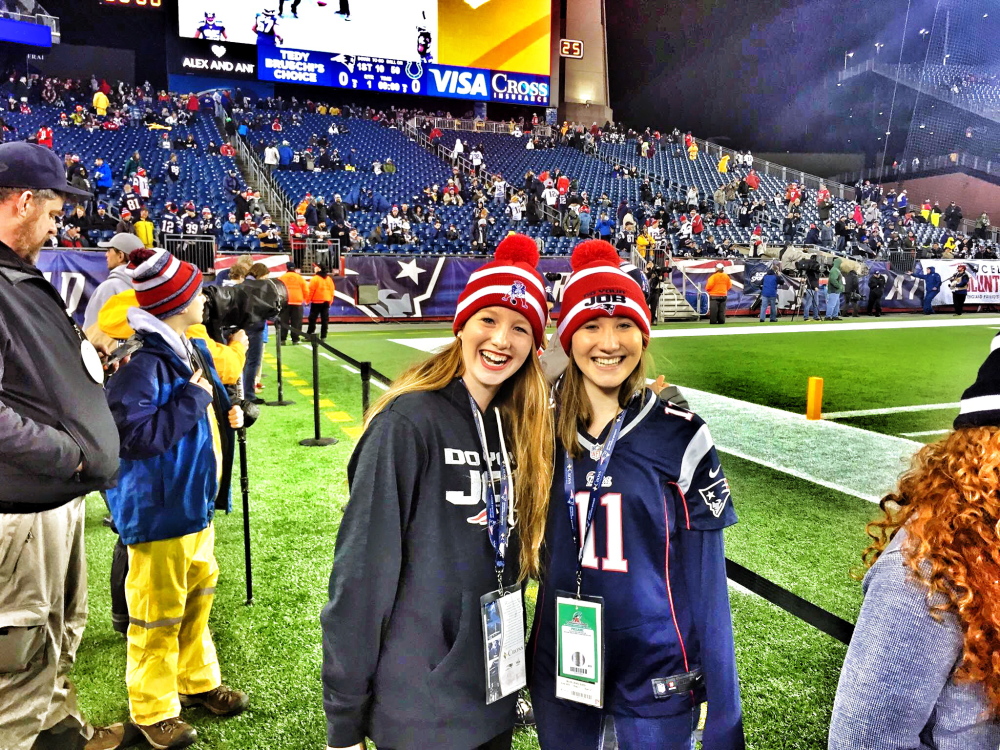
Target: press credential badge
{"points": [[503, 642], [580, 649]]}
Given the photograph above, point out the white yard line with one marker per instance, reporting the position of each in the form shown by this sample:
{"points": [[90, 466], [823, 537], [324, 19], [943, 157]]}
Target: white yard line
{"points": [[840, 457], [925, 433], [437, 342], [329, 357], [379, 384], [888, 410], [351, 369], [825, 453]]}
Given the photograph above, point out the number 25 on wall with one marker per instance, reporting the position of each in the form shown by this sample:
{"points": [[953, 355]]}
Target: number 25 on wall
{"points": [[615, 561]]}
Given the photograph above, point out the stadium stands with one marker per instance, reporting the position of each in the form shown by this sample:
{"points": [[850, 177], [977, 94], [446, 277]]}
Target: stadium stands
{"points": [[201, 177]]}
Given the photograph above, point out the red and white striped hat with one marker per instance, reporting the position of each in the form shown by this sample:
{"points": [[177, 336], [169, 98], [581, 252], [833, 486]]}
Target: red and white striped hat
{"points": [[598, 287], [510, 281], [164, 285]]}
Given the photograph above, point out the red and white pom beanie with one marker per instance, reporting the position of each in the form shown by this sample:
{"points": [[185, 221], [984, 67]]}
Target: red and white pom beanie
{"points": [[510, 281], [164, 285], [598, 287]]}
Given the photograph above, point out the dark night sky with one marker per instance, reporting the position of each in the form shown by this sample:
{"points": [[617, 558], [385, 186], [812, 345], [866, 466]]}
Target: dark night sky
{"points": [[760, 72]]}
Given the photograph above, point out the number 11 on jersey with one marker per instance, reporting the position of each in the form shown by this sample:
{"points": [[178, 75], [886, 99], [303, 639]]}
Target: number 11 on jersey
{"points": [[614, 561]]}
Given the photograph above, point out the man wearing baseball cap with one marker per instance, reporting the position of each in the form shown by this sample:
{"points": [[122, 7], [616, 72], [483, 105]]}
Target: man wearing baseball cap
{"points": [[717, 287], [58, 442]]}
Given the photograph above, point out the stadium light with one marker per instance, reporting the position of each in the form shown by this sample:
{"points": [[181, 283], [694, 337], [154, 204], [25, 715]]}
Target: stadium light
{"points": [[878, 47], [924, 32], [846, 55]]}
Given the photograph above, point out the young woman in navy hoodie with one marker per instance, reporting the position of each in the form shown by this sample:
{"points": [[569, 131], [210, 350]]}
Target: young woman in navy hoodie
{"points": [[403, 633]]}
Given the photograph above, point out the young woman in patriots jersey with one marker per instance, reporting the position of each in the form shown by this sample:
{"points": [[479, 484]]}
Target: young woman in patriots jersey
{"points": [[404, 659], [648, 541]]}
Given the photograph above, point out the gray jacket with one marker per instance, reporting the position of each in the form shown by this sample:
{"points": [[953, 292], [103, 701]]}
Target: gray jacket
{"points": [[897, 689], [119, 280]]}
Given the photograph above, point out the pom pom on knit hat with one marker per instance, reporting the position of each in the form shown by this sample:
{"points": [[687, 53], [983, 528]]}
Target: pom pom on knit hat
{"points": [[164, 285], [517, 248], [511, 281], [599, 288]]}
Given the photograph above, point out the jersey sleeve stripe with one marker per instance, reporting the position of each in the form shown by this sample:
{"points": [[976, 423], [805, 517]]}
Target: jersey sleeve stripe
{"points": [[696, 450], [684, 502], [670, 593]]}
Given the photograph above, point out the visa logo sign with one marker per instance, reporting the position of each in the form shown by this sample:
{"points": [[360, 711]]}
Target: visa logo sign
{"points": [[460, 82]]}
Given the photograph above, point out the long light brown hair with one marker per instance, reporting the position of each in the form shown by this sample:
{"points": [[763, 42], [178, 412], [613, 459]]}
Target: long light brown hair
{"points": [[524, 408], [949, 504], [575, 411]]}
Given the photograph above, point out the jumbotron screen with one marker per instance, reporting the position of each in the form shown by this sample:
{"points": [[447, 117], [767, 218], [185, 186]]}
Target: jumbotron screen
{"points": [[485, 50]]}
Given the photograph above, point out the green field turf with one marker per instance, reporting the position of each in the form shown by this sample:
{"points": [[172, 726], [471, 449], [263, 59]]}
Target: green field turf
{"points": [[803, 536]]}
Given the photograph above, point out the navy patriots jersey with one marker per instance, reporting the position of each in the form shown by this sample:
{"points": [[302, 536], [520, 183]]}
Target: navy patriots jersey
{"points": [[170, 224], [655, 555], [214, 31]]}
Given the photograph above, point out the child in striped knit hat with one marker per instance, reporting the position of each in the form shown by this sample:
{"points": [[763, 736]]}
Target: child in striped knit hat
{"points": [[176, 423]]}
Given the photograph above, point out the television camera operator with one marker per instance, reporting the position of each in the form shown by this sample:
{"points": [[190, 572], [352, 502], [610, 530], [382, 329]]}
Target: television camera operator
{"points": [[655, 276], [810, 270]]}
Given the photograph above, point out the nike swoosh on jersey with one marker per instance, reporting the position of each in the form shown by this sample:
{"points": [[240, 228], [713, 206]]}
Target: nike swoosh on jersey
{"points": [[715, 473]]}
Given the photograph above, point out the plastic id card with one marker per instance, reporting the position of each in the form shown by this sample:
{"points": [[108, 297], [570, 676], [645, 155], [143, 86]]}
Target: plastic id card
{"points": [[503, 642], [580, 649]]}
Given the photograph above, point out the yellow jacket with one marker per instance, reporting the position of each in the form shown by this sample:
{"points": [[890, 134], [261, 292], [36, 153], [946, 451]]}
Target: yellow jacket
{"points": [[642, 243], [146, 232], [101, 103], [229, 359]]}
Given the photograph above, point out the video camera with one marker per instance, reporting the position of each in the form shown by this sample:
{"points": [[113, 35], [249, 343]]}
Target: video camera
{"points": [[229, 308]]}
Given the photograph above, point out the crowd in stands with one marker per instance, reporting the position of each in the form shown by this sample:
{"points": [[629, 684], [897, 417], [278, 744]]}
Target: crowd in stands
{"points": [[681, 221]]}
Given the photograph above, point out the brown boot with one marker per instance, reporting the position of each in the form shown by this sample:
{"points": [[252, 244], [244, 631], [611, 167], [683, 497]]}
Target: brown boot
{"points": [[168, 734], [112, 737], [222, 701]]}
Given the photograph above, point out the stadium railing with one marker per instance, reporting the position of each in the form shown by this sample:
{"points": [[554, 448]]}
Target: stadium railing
{"points": [[193, 248], [41, 19], [480, 126], [256, 173]]}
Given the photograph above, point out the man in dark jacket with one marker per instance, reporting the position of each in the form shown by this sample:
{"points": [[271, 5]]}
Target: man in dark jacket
{"points": [[852, 294], [953, 216], [876, 288], [57, 443], [810, 293]]}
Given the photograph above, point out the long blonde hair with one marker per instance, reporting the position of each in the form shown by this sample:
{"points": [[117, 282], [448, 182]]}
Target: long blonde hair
{"points": [[524, 408], [575, 411]]}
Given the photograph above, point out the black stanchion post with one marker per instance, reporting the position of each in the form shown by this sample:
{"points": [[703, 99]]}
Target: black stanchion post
{"points": [[318, 439], [282, 401], [366, 385], [245, 488]]}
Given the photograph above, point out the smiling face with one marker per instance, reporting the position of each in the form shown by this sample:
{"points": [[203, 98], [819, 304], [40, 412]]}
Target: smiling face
{"points": [[496, 341], [607, 351]]}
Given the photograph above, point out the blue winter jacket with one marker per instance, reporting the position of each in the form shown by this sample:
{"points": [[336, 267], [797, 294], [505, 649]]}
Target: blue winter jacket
{"points": [[169, 470], [102, 176], [285, 154], [769, 287]]}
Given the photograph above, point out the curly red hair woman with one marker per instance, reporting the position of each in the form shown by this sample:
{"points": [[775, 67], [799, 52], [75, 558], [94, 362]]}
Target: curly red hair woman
{"points": [[923, 667]]}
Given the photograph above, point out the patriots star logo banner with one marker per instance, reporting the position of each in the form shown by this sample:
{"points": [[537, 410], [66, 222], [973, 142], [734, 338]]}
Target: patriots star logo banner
{"points": [[716, 496]]}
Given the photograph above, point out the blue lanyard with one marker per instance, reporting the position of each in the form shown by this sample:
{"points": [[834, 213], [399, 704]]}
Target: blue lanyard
{"points": [[570, 480], [497, 520]]}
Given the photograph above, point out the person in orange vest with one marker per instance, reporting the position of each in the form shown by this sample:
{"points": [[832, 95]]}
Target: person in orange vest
{"points": [[291, 314], [320, 297], [718, 287]]}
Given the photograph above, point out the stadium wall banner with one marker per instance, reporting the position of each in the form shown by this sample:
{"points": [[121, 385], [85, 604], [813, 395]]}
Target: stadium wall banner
{"points": [[984, 280], [75, 274], [426, 287]]}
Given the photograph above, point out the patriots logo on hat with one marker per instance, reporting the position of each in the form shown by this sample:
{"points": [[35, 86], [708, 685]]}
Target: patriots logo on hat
{"points": [[606, 306], [716, 496], [518, 293]]}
